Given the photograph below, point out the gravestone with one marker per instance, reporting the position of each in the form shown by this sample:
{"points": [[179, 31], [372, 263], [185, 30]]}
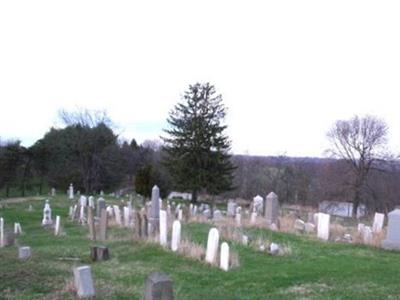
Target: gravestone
{"points": [[258, 204], [158, 287], [2, 237], [17, 229], [91, 202], [299, 225], [224, 261], [274, 249], [176, 235], [83, 201], [53, 192], [367, 235], [92, 229], [127, 219], [272, 209], [117, 213], [82, 216], [47, 214], [83, 282], [217, 215], [163, 228], [71, 192], [24, 252], [103, 224], [180, 214], [378, 222], [57, 227], [309, 227], [212, 245], [238, 216], [392, 241], [99, 253], [101, 204], [231, 208], [155, 209], [323, 226]]}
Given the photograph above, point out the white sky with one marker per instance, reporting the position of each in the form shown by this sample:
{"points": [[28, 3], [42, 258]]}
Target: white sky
{"points": [[286, 69]]}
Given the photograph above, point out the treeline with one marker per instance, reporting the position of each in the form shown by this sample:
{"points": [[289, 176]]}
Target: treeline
{"points": [[308, 181], [88, 153]]}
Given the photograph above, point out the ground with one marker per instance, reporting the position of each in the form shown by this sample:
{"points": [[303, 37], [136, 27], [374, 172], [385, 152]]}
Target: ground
{"points": [[313, 270]]}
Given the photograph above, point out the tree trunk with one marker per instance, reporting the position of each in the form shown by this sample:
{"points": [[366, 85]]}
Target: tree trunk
{"points": [[194, 197], [356, 202]]}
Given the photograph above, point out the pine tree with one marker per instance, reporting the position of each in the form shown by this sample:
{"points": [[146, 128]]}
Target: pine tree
{"points": [[197, 147]]}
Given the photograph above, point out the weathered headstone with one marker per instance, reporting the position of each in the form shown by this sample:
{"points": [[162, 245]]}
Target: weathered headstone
{"points": [[92, 229], [84, 282], [323, 226], [378, 222], [176, 235], [274, 249], [24, 252], [224, 261], [392, 241], [272, 209], [159, 287], [258, 204], [231, 210], [163, 228], [212, 245], [83, 201], [101, 204], [82, 215], [99, 253], [127, 218], [238, 216], [91, 202], [71, 192], [217, 215], [47, 214], [103, 224], [155, 209], [57, 227], [117, 213]]}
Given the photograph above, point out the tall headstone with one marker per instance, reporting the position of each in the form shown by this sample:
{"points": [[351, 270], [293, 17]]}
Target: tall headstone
{"points": [[378, 222], [82, 215], [212, 245], [47, 215], [258, 204], [224, 260], [155, 209], [323, 226], [91, 201], [92, 229], [176, 235], [158, 287], [117, 213], [231, 208], [127, 218], [57, 227], [84, 282], [392, 241], [272, 209], [101, 204], [2, 237], [163, 228], [103, 224], [71, 192]]}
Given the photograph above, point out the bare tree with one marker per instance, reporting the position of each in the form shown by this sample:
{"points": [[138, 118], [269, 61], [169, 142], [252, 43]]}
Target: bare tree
{"points": [[85, 117], [360, 142]]}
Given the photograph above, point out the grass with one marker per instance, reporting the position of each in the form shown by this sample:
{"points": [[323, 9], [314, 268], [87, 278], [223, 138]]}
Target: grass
{"points": [[313, 269]]}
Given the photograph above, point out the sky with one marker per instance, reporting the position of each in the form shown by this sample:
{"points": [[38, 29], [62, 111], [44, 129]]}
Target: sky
{"points": [[286, 69]]}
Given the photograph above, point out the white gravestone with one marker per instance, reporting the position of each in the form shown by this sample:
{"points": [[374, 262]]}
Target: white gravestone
{"points": [[163, 228], [224, 262], [84, 282], [176, 235], [91, 201], [24, 253], [57, 228], [238, 216], [126, 216], [323, 226], [117, 214], [392, 241], [155, 208], [82, 216], [180, 214], [71, 192], [378, 222], [47, 214], [2, 242], [367, 235], [258, 204], [83, 201], [212, 245], [53, 192], [17, 229]]}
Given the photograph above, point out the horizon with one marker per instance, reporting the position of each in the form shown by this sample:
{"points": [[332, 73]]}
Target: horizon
{"points": [[286, 72]]}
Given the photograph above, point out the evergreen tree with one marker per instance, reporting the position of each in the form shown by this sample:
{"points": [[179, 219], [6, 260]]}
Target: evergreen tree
{"points": [[197, 147]]}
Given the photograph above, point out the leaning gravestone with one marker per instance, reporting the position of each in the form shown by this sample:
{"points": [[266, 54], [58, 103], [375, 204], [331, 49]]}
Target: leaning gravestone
{"points": [[224, 261], [212, 245], [155, 209], [323, 226], [378, 222], [272, 209], [176, 235], [392, 241], [158, 287], [84, 282]]}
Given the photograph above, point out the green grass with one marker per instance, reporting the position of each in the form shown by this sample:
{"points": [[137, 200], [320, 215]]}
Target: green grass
{"points": [[314, 270]]}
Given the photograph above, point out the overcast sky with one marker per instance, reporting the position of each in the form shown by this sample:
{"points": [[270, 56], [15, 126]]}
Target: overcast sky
{"points": [[286, 69]]}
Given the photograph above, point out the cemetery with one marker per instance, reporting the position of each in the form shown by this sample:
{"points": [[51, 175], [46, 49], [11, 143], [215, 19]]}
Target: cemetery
{"points": [[105, 247]]}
